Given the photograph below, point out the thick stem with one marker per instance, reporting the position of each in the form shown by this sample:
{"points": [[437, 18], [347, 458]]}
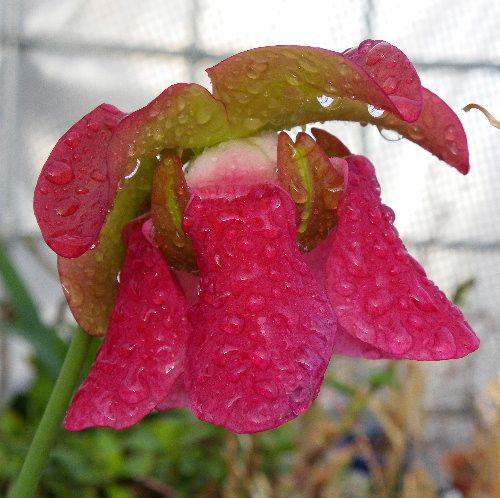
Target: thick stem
{"points": [[50, 424]]}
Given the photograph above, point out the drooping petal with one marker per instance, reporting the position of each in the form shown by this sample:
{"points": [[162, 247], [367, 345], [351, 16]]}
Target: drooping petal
{"points": [[90, 282], [263, 330], [182, 116], [380, 293], [393, 71], [283, 86], [144, 350], [437, 129], [72, 192]]}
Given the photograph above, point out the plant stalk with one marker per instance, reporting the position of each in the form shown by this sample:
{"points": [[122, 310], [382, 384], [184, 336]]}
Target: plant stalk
{"points": [[50, 424]]}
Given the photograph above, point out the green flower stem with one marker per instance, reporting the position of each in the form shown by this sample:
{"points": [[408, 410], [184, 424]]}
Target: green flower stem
{"points": [[27, 481]]}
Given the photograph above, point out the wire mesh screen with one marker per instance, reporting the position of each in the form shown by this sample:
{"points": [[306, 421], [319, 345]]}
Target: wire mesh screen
{"points": [[58, 60]]}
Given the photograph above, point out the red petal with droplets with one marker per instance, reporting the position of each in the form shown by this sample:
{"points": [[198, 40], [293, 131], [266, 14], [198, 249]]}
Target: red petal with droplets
{"points": [[382, 295], [393, 72], [177, 396], [72, 193], [263, 330], [144, 349]]}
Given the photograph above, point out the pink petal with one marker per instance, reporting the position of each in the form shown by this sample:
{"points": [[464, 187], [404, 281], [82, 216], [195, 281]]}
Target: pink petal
{"points": [[72, 193], [263, 329], [177, 396], [393, 72], [380, 293], [439, 130], [144, 349]]}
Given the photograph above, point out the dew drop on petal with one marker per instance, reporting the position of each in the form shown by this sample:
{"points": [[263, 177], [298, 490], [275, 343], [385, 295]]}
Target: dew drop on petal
{"points": [[72, 139], [450, 133], [390, 85], [374, 111], [325, 100], [233, 324], [59, 173], [390, 135]]}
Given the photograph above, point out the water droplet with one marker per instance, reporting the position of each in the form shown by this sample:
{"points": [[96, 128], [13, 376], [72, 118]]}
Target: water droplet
{"points": [[415, 321], [298, 193], [233, 324], [68, 210], [269, 251], [275, 275], [391, 135], [223, 355], [390, 85], [81, 190], [260, 358], [245, 245], [388, 213], [160, 297], [379, 251], [366, 45], [453, 148], [72, 139], [292, 78], [252, 123], [93, 126], [421, 299], [450, 133], [374, 111], [325, 100], [392, 62], [364, 331], [256, 303], [416, 133], [390, 235], [98, 176], [400, 253], [203, 115], [379, 303], [132, 394], [374, 57], [394, 270], [444, 344], [182, 118], [266, 390], [59, 173], [345, 288], [399, 341]]}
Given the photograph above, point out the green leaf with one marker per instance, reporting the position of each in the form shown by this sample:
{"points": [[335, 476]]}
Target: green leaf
{"points": [[50, 349]]}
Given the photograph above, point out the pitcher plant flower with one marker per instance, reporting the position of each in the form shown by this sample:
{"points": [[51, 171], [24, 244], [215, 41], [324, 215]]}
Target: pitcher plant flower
{"points": [[224, 259]]}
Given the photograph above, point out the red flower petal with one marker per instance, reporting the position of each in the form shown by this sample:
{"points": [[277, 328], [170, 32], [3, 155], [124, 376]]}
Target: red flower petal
{"points": [[177, 396], [263, 329], [72, 193], [393, 71], [144, 349], [380, 293], [437, 129]]}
